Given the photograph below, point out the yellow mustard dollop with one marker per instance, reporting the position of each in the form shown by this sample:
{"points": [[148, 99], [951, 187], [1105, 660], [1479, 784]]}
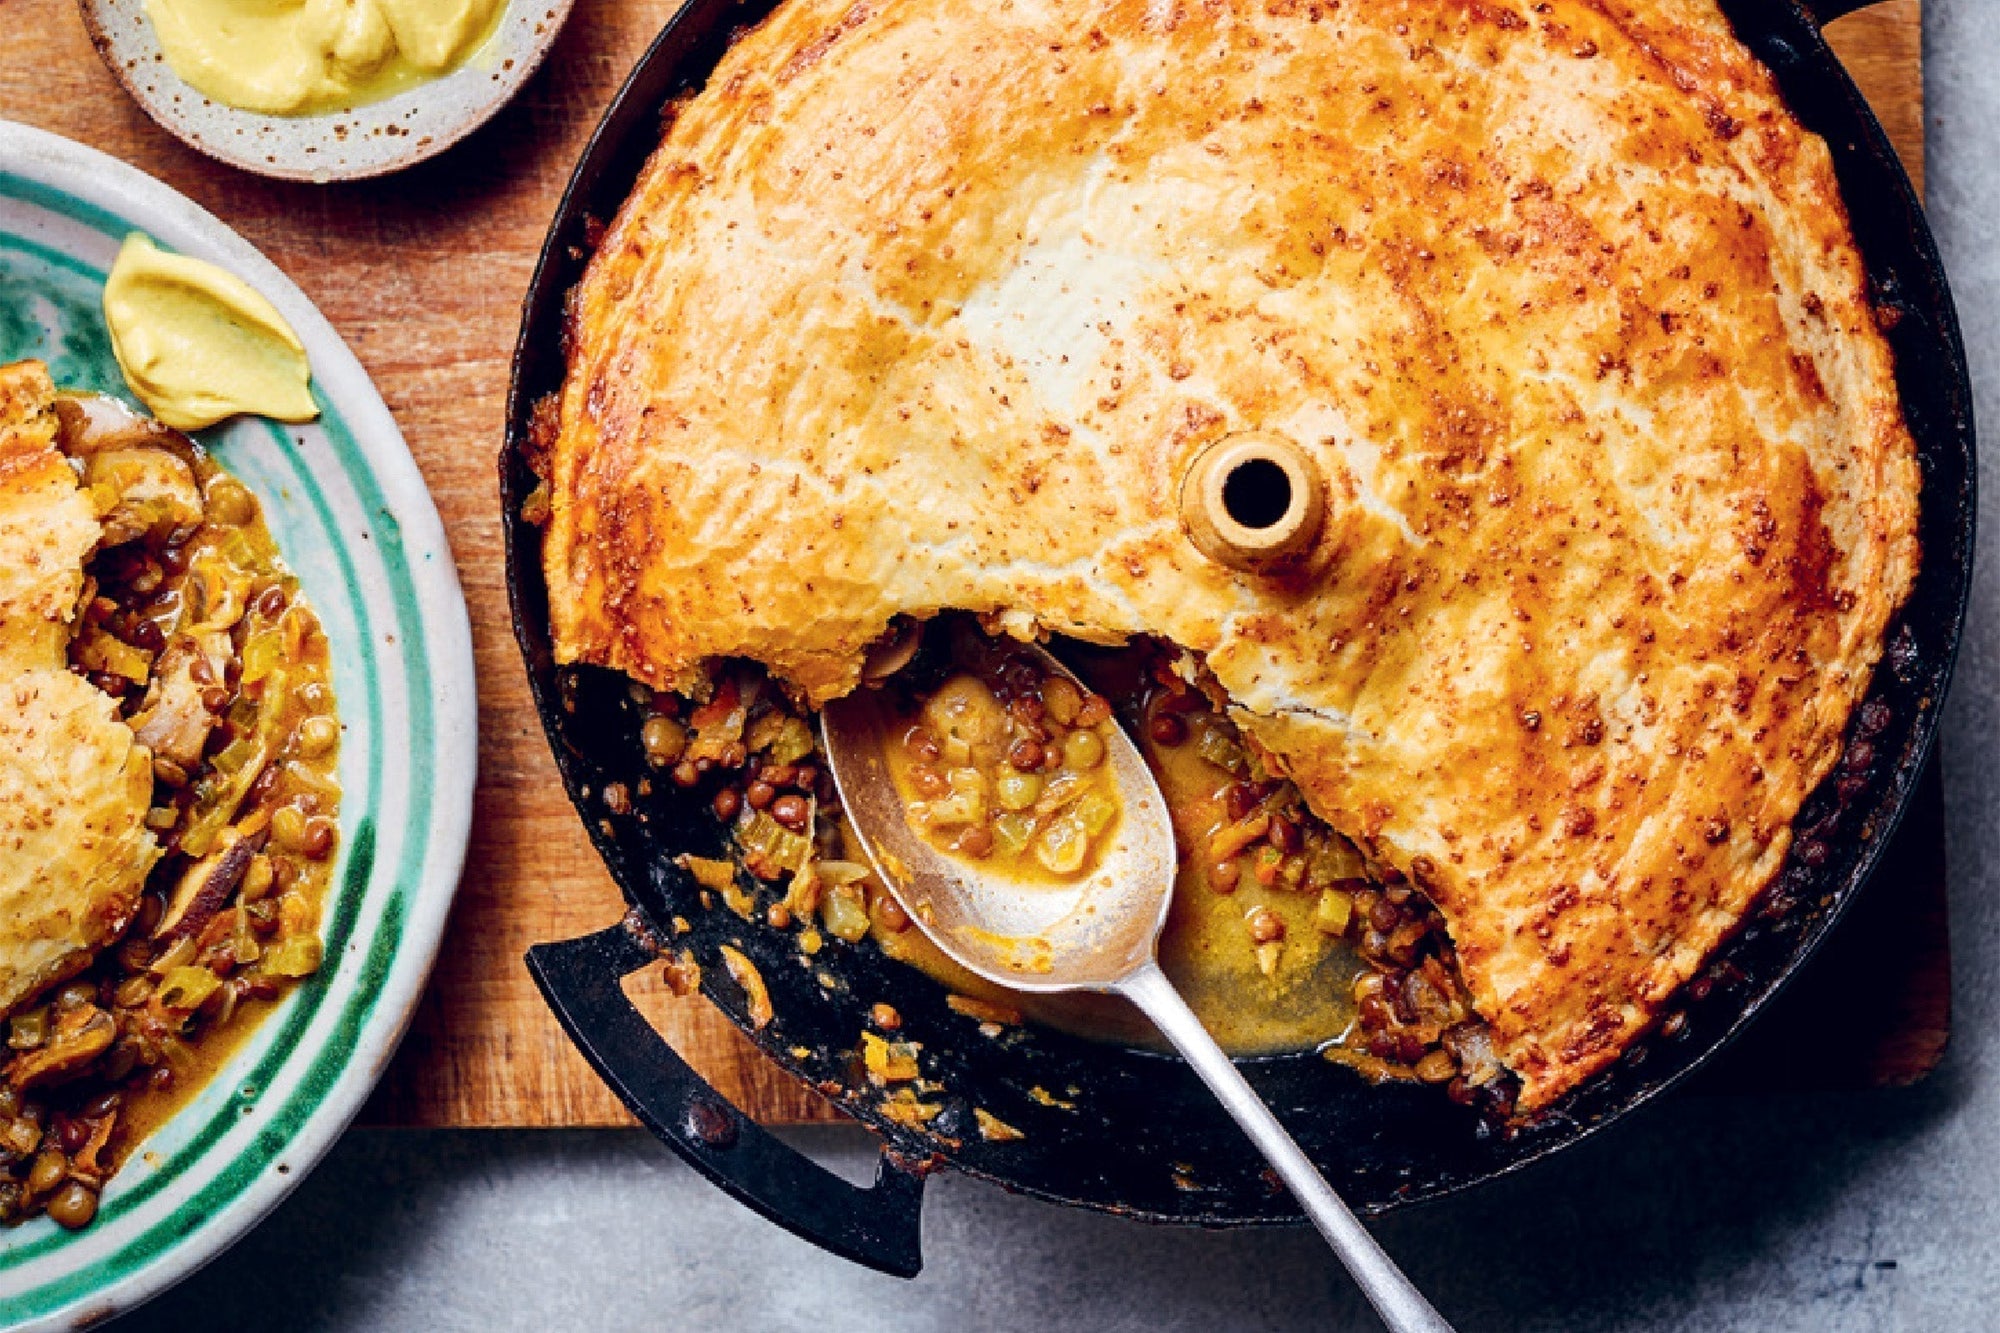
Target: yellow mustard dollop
{"points": [[300, 57], [198, 344]]}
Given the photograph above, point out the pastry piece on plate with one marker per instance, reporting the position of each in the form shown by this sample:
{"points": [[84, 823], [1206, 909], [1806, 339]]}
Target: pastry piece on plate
{"points": [[75, 785]]}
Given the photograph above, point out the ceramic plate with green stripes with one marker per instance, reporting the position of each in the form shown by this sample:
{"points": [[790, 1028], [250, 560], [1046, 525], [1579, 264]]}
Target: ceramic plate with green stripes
{"points": [[350, 512]]}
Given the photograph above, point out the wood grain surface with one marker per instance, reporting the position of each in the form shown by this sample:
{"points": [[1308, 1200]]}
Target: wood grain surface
{"points": [[423, 273]]}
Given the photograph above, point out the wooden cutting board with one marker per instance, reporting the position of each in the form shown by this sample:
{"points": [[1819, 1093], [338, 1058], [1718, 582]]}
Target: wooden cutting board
{"points": [[423, 273]]}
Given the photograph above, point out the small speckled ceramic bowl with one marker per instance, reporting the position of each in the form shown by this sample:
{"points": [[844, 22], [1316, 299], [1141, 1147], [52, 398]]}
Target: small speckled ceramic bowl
{"points": [[370, 140]]}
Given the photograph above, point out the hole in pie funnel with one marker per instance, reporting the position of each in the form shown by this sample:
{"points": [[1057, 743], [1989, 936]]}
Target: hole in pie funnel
{"points": [[1257, 493]]}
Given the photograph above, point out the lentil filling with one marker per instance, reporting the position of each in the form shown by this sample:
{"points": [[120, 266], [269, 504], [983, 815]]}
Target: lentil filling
{"points": [[1282, 934], [192, 622], [1004, 763]]}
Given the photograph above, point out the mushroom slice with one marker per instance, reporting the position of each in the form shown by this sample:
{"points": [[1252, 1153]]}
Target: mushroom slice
{"points": [[208, 884], [175, 720], [81, 1035]]}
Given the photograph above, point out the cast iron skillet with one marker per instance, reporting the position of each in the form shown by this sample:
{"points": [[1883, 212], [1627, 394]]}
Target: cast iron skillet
{"points": [[1144, 1137]]}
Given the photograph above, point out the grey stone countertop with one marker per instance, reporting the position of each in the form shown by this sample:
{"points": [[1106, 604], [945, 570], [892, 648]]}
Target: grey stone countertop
{"points": [[1869, 1211]]}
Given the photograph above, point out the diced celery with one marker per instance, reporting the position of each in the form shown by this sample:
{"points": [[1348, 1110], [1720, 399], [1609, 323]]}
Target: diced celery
{"points": [[794, 742], [965, 803], [240, 763], [767, 837], [779, 736], [185, 989], [1062, 845], [1012, 832], [1060, 790], [29, 1030], [1096, 811], [1335, 910], [845, 913], [299, 956], [1218, 747], [763, 732], [262, 654]]}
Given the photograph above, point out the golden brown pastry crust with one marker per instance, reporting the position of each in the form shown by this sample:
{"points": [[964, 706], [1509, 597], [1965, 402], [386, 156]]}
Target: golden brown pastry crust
{"points": [[47, 525], [925, 305], [74, 785]]}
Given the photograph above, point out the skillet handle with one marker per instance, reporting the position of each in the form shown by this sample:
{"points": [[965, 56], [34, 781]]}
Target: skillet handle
{"points": [[877, 1227]]}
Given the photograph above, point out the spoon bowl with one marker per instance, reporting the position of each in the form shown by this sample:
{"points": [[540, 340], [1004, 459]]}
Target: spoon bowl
{"points": [[1098, 933], [1084, 935]]}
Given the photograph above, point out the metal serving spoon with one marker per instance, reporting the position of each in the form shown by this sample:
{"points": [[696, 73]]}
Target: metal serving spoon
{"points": [[1099, 934]]}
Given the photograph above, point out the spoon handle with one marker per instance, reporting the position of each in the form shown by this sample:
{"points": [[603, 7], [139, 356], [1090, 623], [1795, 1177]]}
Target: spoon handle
{"points": [[1402, 1307]]}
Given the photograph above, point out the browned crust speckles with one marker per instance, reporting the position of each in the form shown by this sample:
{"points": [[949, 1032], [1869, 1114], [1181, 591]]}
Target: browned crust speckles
{"points": [[922, 305], [74, 784]]}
